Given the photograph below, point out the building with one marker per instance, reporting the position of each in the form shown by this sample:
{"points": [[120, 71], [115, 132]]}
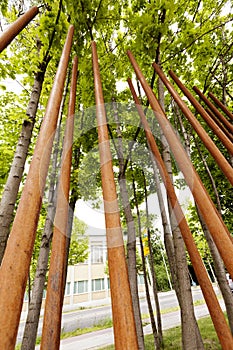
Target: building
{"points": [[87, 283]]}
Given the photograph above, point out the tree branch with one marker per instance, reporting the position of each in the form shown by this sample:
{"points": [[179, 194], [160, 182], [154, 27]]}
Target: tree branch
{"points": [[196, 10], [193, 42], [46, 58], [96, 13]]}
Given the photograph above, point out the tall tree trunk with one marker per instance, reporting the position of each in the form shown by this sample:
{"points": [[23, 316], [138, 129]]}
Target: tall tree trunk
{"points": [[152, 269], [31, 326], [191, 338], [217, 260], [150, 308], [32, 321], [168, 240], [214, 187], [72, 203], [11, 188], [182, 285], [224, 70], [220, 273], [131, 237], [30, 331], [73, 199], [184, 133]]}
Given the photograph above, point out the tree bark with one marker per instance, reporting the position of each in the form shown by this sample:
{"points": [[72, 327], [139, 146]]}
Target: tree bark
{"points": [[153, 272], [11, 189], [73, 199], [191, 338], [168, 240], [31, 326], [149, 304], [212, 181], [220, 273], [10, 192], [217, 260], [131, 234], [32, 321]]}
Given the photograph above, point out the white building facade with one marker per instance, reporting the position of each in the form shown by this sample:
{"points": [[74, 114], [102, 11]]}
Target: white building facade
{"points": [[87, 283]]}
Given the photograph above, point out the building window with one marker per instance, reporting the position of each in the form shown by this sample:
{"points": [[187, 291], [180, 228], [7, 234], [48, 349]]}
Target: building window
{"points": [[97, 284], [108, 283], [67, 291], [80, 287], [141, 279], [97, 254], [75, 287]]}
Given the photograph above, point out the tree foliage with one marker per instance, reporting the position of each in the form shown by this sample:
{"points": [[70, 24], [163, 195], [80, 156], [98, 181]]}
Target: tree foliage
{"points": [[192, 38], [78, 252]]}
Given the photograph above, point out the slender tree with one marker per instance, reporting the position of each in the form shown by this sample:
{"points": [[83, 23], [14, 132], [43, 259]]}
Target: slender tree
{"points": [[131, 231], [152, 268], [32, 321], [148, 298], [10, 192], [190, 330]]}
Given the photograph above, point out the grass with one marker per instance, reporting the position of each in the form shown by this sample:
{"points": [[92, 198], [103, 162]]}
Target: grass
{"points": [[175, 308], [106, 323], [172, 337]]}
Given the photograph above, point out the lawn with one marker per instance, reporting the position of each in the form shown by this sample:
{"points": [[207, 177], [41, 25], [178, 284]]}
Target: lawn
{"points": [[172, 337]]}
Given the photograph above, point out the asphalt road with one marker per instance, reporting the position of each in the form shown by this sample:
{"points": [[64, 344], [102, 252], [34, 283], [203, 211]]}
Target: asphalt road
{"points": [[102, 338], [88, 317]]}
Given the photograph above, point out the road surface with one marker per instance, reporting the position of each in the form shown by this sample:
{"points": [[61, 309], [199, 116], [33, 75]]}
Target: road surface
{"points": [[88, 317], [102, 338]]}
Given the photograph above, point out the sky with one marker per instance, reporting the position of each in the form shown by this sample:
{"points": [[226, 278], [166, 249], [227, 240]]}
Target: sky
{"points": [[95, 217]]}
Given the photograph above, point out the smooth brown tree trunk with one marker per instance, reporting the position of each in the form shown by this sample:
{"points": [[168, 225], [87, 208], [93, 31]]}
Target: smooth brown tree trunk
{"points": [[32, 321], [220, 273], [191, 338], [131, 233], [125, 335], [217, 260]]}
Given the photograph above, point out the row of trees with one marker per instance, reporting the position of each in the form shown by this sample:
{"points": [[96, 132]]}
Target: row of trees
{"points": [[194, 39]]}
